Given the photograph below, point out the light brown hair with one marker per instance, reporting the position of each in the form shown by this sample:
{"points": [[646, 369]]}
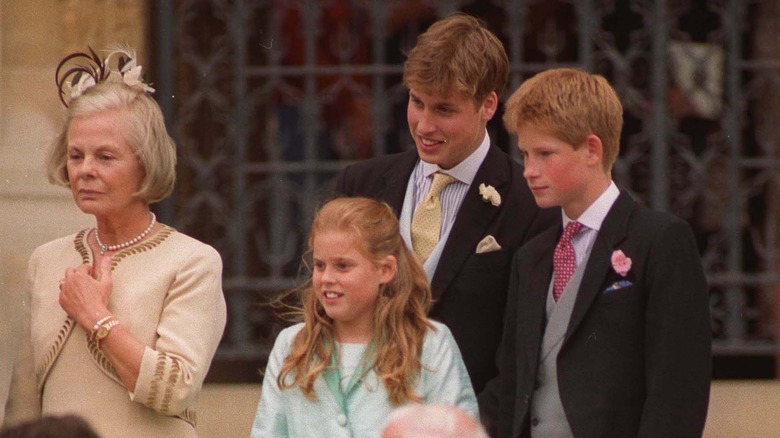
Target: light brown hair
{"points": [[400, 320], [457, 54], [147, 135], [569, 104]]}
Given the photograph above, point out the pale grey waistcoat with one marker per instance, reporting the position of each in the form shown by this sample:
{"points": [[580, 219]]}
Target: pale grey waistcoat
{"points": [[548, 420]]}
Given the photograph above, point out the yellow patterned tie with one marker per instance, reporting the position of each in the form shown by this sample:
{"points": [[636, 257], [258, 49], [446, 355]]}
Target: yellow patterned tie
{"points": [[426, 224]]}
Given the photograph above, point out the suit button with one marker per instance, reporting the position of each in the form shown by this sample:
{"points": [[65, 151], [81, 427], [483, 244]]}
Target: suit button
{"points": [[537, 384], [535, 422], [342, 420], [526, 399]]}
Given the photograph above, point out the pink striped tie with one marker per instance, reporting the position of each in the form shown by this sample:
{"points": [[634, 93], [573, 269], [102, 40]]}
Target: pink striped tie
{"points": [[564, 259]]}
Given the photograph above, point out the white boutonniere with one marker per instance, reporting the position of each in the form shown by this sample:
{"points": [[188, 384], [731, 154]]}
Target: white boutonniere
{"points": [[490, 194], [620, 263]]}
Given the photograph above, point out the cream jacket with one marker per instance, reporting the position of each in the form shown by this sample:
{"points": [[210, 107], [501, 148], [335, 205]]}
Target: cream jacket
{"points": [[167, 293]]}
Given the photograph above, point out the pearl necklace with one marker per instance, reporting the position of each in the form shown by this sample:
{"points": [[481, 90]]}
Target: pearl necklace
{"points": [[105, 248]]}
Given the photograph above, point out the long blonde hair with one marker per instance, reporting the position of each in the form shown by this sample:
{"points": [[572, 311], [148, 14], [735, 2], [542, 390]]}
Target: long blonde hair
{"points": [[400, 320]]}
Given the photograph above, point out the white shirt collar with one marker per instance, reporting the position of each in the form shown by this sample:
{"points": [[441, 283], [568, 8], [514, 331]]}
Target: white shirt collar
{"points": [[466, 170], [594, 215]]}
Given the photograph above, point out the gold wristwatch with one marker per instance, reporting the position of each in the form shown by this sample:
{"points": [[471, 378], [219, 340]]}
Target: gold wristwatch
{"points": [[102, 330]]}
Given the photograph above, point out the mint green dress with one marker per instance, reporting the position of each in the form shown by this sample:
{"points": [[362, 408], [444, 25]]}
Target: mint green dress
{"points": [[288, 413]]}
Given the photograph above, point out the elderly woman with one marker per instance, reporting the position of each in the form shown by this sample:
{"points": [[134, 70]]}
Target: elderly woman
{"points": [[125, 317]]}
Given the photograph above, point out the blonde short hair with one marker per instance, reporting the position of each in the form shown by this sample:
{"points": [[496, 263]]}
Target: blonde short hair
{"points": [[569, 104], [459, 54], [148, 136]]}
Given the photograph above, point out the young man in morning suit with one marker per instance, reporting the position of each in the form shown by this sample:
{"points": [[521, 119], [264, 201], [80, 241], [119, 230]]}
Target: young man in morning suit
{"points": [[455, 74], [622, 347]]}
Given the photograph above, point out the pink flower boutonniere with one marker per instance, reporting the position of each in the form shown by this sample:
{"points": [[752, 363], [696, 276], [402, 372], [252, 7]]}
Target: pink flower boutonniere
{"points": [[620, 263]]}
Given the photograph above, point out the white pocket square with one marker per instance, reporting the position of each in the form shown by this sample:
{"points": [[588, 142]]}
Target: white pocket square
{"points": [[488, 244]]}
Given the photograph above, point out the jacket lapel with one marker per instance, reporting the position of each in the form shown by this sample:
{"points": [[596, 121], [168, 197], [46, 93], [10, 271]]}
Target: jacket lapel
{"points": [[45, 364], [472, 220], [613, 231], [396, 178], [533, 307]]}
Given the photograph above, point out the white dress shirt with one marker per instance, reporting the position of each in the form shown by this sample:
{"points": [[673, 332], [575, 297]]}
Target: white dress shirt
{"points": [[451, 197], [591, 219]]}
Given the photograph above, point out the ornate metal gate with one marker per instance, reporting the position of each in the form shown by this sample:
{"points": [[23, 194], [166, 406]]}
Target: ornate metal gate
{"points": [[268, 99]]}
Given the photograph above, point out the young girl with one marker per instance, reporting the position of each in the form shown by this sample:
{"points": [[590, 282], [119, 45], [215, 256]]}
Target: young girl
{"points": [[365, 345]]}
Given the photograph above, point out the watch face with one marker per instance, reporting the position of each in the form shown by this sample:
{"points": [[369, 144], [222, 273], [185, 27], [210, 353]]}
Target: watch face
{"points": [[101, 333]]}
